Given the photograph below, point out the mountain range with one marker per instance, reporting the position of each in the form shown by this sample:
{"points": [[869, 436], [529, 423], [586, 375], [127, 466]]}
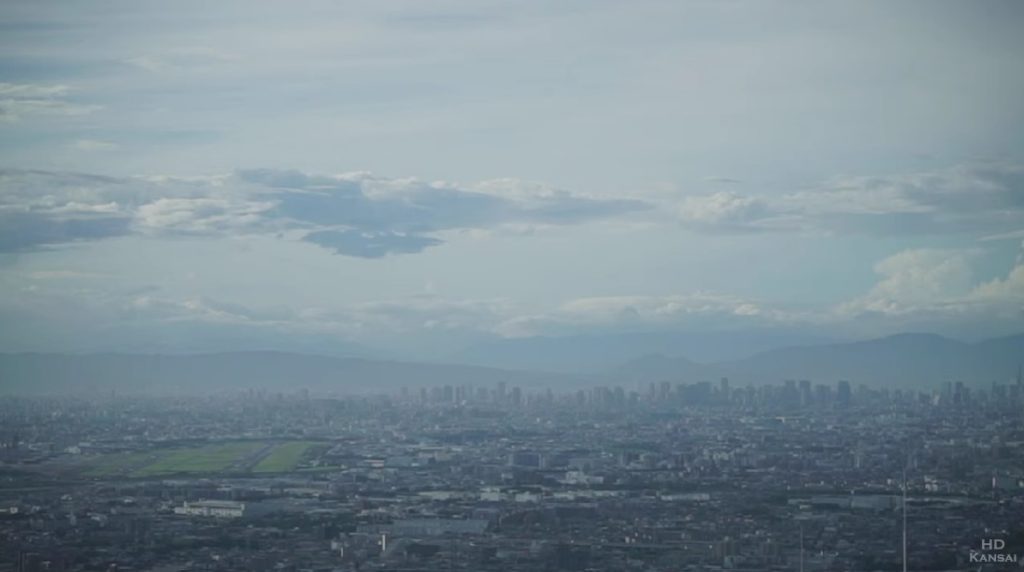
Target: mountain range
{"points": [[599, 352], [904, 360], [278, 371]]}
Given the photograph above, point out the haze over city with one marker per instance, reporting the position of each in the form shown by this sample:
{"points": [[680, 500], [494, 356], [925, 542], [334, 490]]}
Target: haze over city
{"points": [[511, 286]]}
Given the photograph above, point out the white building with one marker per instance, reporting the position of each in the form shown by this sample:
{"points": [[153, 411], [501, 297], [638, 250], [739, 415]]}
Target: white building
{"points": [[217, 508]]}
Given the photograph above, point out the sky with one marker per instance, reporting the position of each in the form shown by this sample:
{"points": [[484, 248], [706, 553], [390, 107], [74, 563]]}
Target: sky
{"points": [[415, 177]]}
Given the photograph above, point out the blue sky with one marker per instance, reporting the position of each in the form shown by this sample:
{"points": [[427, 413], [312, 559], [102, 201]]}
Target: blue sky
{"points": [[419, 176]]}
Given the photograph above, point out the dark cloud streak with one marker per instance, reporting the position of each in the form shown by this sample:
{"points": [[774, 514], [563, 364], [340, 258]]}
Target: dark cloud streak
{"points": [[370, 245], [356, 214], [26, 232]]}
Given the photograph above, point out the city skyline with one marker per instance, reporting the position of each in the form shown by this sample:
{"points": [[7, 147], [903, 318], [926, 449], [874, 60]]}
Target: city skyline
{"points": [[511, 285]]}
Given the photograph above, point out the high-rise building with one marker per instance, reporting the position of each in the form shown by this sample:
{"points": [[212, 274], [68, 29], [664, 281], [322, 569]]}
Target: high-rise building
{"points": [[805, 392], [843, 393]]}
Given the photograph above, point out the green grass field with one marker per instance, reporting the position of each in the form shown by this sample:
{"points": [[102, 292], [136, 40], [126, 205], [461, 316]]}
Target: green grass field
{"points": [[202, 459], [205, 459], [118, 464], [284, 457]]}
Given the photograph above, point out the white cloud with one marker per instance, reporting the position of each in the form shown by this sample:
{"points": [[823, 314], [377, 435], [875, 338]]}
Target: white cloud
{"points": [[976, 199], [916, 280], [62, 275], [201, 215], [936, 287], [725, 209], [18, 101], [185, 58], [355, 214], [416, 315], [917, 289], [1005, 293], [95, 145], [1003, 236], [639, 313], [430, 313], [722, 180], [32, 91]]}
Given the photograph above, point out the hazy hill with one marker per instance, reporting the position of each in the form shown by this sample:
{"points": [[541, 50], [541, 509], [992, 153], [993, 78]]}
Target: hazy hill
{"points": [[904, 360], [663, 368], [46, 373], [598, 353]]}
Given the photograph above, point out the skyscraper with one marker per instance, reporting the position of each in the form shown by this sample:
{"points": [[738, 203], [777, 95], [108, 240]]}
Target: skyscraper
{"points": [[843, 393]]}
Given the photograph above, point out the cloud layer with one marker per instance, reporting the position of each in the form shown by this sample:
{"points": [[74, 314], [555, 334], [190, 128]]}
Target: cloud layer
{"points": [[363, 215], [917, 290], [934, 286], [366, 216], [356, 214], [18, 101], [969, 199]]}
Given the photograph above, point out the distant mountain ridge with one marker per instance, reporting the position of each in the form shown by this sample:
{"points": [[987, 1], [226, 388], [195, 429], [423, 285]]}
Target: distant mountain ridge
{"points": [[596, 353], [277, 371], [902, 360]]}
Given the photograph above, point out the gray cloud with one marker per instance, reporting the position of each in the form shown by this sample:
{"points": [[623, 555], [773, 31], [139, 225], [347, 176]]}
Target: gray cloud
{"points": [[363, 201], [930, 289], [183, 58], [21, 100], [370, 245], [94, 145], [722, 180], [971, 199], [354, 214], [39, 209], [25, 231], [48, 208]]}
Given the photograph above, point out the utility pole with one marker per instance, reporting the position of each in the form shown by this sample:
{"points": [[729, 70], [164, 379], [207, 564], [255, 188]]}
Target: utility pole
{"points": [[904, 519], [801, 547], [451, 555]]}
